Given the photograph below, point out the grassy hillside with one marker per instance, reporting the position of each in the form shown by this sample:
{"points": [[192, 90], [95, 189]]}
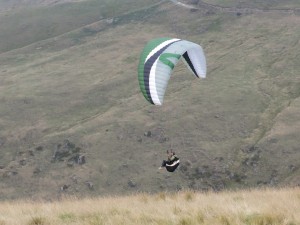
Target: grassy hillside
{"points": [[77, 94], [269, 4], [27, 25], [253, 207]]}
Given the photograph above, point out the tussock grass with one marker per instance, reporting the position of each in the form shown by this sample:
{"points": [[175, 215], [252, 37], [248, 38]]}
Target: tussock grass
{"points": [[263, 219], [248, 207], [37, 221]]}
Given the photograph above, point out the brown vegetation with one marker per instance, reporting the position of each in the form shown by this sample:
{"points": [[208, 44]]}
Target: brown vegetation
{"points": [[248, 207]]}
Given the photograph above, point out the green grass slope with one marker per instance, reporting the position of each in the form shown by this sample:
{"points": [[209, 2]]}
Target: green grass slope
{"points": [[269, 4], [77, 94], [30, 24]]}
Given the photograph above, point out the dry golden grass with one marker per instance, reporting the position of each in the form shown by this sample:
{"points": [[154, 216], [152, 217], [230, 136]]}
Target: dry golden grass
{"points": [[249, 207]]}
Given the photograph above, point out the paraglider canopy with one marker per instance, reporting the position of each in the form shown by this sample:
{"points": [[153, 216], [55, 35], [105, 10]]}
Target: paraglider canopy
{"points": [[158, 60]]}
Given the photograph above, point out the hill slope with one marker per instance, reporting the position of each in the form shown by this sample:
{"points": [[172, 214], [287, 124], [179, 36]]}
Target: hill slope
{"points": [[76, 96]]}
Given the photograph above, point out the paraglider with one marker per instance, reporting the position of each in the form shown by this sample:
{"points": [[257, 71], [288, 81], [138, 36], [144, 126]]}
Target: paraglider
{"points": [[158, 60], [171, 163]]}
